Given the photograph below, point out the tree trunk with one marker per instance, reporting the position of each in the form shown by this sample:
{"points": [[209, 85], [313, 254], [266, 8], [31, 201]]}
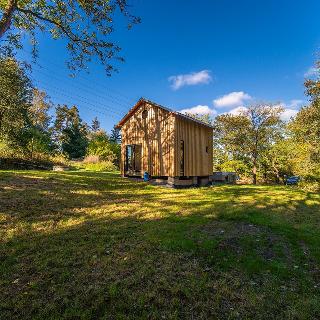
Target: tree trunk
{"points": [[5, 21], [277, 175], [254, 171]]}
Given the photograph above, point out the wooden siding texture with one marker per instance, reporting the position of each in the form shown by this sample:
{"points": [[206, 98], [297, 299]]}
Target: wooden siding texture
{"points": [[160, 135], [197, 160], [156, 135]]}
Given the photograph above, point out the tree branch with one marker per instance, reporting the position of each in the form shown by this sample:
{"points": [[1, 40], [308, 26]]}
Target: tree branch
{"points": [[6, 19], [69, 34]]}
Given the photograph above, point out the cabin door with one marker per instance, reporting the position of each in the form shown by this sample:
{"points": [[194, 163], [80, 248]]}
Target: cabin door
{"points": [[133, 160]]}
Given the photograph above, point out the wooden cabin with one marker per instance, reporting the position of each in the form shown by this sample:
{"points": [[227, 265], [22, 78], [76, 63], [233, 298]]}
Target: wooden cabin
{"points": [[166, 144]]}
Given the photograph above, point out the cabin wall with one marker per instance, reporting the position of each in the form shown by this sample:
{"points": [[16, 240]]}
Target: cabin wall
{"points": [[156, 135], [196, 137]]}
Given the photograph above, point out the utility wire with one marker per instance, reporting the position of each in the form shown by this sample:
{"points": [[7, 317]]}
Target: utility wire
{"points": [[131, 100], [119, 104], [48, 87]]}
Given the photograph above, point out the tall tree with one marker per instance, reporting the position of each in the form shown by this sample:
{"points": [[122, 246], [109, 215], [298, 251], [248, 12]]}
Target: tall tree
{"points": [[313, 85], [86, 26], [306, 125], [115, 135], [249, 134], [40, 141], [70, 132], [15, 102], [95, 126], [39, 110], [264, 127]]}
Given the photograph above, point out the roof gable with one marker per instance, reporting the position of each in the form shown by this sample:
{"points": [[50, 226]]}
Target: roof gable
{"points": [[143, 100]]}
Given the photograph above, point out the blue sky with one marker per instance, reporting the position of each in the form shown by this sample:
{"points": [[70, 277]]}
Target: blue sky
{"points": [[216, 55]]}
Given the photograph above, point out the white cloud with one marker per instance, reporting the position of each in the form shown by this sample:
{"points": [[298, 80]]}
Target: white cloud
{"points": [[236, 111], [232, 99], [200, 109], [311, 72], [290, 109], [287, 114], [190, 79], [296, 103]]}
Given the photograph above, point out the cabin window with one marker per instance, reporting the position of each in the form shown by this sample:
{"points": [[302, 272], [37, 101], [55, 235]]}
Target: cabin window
{"points": [[207, 149], [144, 114], [181, 158]]}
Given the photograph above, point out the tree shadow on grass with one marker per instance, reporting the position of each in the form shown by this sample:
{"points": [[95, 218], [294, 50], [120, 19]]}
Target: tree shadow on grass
{"points": [[95, 245], [133, 268]]}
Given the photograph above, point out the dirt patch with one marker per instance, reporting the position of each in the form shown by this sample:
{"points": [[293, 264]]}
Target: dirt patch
{"points": [[311, 263], [240, 237]]}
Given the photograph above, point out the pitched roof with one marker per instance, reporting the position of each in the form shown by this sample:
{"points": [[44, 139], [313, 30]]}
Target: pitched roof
{"points": [[143, 100]]}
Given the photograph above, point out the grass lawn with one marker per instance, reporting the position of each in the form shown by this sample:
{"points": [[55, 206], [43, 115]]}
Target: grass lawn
{"points": [[84, 245]]}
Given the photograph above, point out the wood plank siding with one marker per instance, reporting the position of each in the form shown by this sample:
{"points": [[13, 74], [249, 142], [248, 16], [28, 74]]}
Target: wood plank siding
{"points": [[198, 145], [160, 131], [156, 135]]}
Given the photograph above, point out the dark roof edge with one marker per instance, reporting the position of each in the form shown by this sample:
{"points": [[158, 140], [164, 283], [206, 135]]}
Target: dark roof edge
{"points": [[164, 108]]}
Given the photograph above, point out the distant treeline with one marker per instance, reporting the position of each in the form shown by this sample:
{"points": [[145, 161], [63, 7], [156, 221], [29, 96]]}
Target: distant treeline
{"points": [[30, 135], [259, 146]]}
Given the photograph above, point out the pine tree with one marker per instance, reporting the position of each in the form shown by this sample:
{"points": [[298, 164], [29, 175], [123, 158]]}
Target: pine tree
{"points": [[95, 126], [70, 132], [115, 135]]}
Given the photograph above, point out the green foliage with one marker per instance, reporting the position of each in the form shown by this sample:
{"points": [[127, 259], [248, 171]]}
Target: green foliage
{"points": [[15, 103], [74, 142], [39, 110], [240, 167], [85, 27], [100, 145], [115, 135], [206, 118], [40, 140], [70, 133], [95, 126], [305, 131], [313, 85], [5, 150], [39, 143], [248, 135], [107, 166]]}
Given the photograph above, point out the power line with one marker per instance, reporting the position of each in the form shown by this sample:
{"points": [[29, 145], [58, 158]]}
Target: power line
{"points": [[131, 100], [77, 97], [88, 105], [119, 104]]}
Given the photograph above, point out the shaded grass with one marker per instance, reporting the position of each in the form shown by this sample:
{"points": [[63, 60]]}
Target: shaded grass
{"points": [[83, 245]]}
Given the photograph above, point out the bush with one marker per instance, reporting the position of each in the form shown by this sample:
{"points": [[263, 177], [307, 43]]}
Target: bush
{"points": [[60, 159], [91, 159], [100, 166], [94, 163], [311, 186], [101, 146], [238, 166]]}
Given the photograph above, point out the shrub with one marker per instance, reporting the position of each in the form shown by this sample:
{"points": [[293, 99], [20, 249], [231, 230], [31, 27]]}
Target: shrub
{"points": [[60, 159], [100, 146], [100, 166], [91, 159]]}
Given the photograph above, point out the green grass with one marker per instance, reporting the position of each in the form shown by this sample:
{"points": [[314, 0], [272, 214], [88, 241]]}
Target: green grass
{"points": [[84, 245]]}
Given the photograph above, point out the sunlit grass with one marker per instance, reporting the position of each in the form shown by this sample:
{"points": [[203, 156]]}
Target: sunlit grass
{"points": [[83, 245]]}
